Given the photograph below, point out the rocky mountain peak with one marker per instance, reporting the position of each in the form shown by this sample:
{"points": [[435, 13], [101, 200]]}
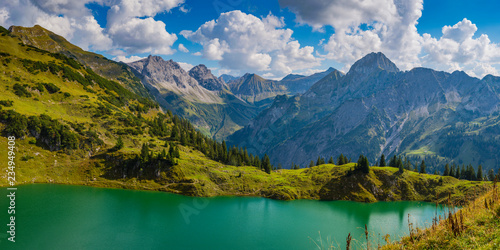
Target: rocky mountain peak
{"points": [[206, 79], [200, 70], [372, 63]]}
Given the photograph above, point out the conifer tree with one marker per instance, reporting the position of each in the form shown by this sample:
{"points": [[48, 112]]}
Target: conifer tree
{"points": [[422, 168], [363, 165], [176, 152], [331, 160], [224, 151], [479, 173], [266, 164], [382, 161], [394, 161], [341, 160], [401, 169], [399, 162], [457, 172], [311, 164], [256, 162], [446, 170], [491, 175]]}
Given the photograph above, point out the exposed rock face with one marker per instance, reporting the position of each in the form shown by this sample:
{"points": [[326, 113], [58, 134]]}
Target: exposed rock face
{"points": [[375, 109], [205, 78], [169, 76]]}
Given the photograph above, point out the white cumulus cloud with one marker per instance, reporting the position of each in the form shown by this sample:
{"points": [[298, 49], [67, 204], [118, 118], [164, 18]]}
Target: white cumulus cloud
{"points": [[457, 49], [130, 24], [242, 41], [70, 19]]}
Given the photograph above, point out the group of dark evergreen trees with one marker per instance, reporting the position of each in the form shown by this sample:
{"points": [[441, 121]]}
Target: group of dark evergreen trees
{"points": [[181, 130], [465, 172]]}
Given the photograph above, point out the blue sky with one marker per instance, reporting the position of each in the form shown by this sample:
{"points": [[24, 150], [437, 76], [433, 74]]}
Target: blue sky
{"points": [[275, 38]]}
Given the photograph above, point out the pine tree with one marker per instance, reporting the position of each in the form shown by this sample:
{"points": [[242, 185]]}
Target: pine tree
{"points": [[331, 160], [422, 168], [446, 170], [479, 173], [341, 160], [491, 175], [311, 164], [382, 161], [399, 162], [174, 132], [318, 161], [363, 165], [257, 163], [407, 164], [183, 139], [177, 154], [224, 151], [401, 169], [266, 164]]}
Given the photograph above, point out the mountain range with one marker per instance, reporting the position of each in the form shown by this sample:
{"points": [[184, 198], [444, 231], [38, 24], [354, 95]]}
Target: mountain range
{"points": [[377, 109], [216, 106]]}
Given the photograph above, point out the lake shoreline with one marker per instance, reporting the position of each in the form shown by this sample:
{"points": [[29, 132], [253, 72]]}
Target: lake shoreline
{"points": [[149, 185]]}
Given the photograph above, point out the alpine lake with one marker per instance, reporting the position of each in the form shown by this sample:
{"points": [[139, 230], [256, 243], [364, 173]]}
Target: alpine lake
{"points": [[52, 216]]}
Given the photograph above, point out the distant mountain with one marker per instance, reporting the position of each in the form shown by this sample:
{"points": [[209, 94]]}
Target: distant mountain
{"points": [[253, 88], [228, 78], [205, 78], [170, 76], [375, 109], [196, 95], [44, 39], [299, 84], [290, 77]]}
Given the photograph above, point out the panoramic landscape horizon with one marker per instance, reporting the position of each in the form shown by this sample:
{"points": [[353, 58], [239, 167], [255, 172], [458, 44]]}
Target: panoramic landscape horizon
{"points": [[186, 124]]}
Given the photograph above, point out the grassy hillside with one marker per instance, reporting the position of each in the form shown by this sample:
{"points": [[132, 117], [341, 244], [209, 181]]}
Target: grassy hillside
{"points": [[475, 226], [44, 39]]}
